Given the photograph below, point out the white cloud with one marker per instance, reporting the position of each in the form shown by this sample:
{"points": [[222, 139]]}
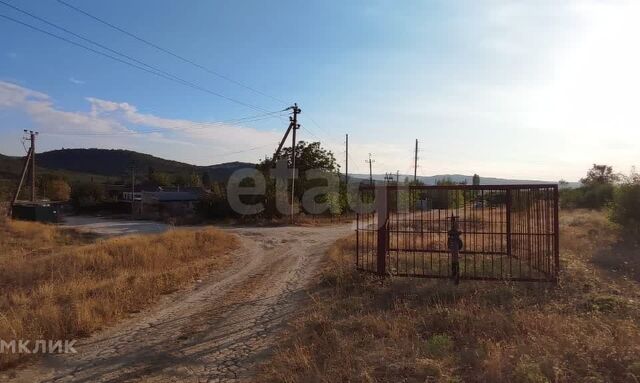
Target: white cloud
{"points": [[220, 134], [121, 125], [40, 108], [76, 81]]}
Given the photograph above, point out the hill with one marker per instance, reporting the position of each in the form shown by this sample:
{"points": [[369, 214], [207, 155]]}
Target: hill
{"points": [[103, 163], [461, 178], [118, 162]]}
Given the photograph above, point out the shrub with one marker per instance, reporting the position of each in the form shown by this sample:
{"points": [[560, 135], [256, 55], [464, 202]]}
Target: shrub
{"points": [[58, 190], [625, 209], [87, 194], [595, 196]]}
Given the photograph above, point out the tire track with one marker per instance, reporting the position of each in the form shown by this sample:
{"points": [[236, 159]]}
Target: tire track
{"points": [[215, 332]]}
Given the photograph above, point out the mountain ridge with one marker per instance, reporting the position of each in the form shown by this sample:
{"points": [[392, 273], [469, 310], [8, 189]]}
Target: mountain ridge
{"points": [[118, 162]]}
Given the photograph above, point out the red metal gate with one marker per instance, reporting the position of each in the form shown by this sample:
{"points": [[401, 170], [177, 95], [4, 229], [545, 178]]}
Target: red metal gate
{"points": [[499, 232]]}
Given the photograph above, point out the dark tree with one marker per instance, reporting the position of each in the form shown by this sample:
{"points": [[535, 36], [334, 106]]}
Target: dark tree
{"points": [[309, 155], [206, 180], [600, 175]]}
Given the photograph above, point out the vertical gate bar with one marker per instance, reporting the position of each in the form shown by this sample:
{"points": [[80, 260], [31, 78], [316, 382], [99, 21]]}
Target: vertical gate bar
{"points": [[548, 231], [382, 207], [521, 230], [508, 217], [422, 231], [357, 240], [413, 226], [528, 229], [536, 227], [556, 229], [365, 238]]}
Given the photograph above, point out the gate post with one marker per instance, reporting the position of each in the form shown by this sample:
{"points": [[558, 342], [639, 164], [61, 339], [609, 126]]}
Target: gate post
{"points": [[382, 210], [556, 232], [455, 245]]}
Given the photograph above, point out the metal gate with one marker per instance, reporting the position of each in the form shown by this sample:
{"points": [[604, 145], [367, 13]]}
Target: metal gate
{"points": [[483, 232]]}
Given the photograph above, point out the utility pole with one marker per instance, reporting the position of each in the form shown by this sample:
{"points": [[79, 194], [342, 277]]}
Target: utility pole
{"points": [[295, 126], [32, 138], [370, 161], [133, 188], [29, 159], [346, 160], [415, 164]]}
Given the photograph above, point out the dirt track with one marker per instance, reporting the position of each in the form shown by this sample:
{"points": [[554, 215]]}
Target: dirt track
{"points": [[215, 332]]}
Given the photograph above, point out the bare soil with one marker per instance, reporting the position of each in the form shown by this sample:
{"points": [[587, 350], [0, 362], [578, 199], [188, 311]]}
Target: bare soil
{"points": [[216, 331]]}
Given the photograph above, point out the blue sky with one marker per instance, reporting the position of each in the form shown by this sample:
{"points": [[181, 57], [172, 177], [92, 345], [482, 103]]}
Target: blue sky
{"points": [[537, 90]]}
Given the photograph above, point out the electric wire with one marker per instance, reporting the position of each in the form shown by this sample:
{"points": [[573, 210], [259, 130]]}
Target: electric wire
{"points": [[167, 51], [154, 71], [199, 125]]}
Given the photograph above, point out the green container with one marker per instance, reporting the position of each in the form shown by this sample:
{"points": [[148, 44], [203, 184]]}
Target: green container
{"points": [[41, 212]]}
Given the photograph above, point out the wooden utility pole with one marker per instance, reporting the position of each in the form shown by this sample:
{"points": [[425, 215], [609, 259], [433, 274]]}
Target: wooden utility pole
{"points": [[346, 160], [30, 159], [32, 138], [370, 161], [133, 188], [415, 164], [294, 126]]}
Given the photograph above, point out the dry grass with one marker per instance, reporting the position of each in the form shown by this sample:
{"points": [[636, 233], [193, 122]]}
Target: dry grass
{"points": [[587, 329], [60, 284]]}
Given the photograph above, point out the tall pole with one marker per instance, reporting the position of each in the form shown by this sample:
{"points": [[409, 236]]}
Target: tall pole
{"points": [[133, 188], [415, 164], [25, 170], [346, 160], [370, 161], [295, 126], [398, 177], [33, 164]]}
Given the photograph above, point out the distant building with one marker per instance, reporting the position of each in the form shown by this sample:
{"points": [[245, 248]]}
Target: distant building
{"points": [[163, 204]]}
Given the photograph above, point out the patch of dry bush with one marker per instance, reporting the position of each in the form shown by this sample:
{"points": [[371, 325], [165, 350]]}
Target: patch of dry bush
{"points": [[59, 284], [586, 329]]}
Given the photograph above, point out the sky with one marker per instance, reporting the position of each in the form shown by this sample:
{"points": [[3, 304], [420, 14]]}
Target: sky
{"points": [[527, 90]]}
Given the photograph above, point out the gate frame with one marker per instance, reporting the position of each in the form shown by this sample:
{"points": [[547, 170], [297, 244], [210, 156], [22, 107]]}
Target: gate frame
{"points": [[382, 210]]}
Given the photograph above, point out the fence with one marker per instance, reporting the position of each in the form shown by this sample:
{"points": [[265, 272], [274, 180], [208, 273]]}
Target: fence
{"points": [[503, 232]]}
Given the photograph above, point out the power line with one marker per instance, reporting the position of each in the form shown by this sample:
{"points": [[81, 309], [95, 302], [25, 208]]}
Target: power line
{"points": [[167, 51], [200, 125], [154, 70]]}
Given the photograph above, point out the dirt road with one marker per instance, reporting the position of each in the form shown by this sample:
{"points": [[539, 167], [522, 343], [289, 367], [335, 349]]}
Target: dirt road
{"points": [[215, 332], [108, 227]]}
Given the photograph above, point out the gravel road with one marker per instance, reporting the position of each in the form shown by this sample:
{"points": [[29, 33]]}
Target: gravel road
{"points": [[214, 332]]}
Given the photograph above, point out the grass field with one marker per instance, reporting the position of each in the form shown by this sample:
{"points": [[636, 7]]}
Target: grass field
{"points": [[586, 329], [60, 284]]}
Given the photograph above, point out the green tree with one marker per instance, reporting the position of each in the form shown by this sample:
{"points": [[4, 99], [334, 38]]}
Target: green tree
{"points": [[87, 194], [161, 179], [309, 156], [600, 175], [187, 180], [597, 189], [58, 190], [476, 179], [625, 208]]}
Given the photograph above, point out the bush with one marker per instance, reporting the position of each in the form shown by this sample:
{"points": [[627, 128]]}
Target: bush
{"points": [[625, 209], [87, 194], [58, 190], [594, 196]]}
